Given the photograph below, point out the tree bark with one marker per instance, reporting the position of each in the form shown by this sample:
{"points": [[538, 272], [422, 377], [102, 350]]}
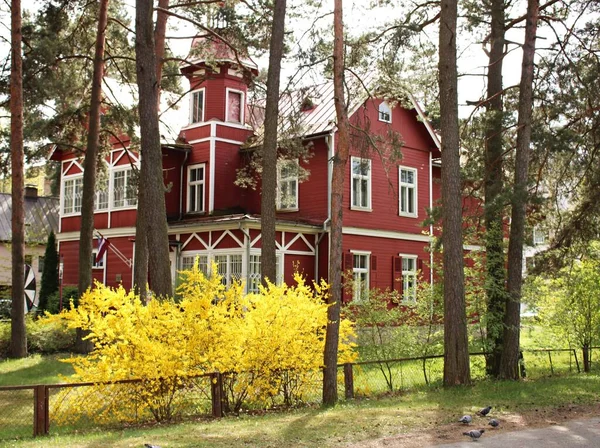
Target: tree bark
{"points": [[340, 160], [90, 163], [456, 350], [90, 167], [494, 233], [18, 335], [152, 215], [509, 366], [269, 173]]}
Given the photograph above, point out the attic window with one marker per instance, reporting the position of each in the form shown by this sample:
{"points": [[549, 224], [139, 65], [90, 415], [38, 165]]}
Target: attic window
{"points": [[235, 106], [385, 113]]}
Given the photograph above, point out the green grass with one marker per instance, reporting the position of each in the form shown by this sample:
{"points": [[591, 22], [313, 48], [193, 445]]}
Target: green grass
{"points": [[352, 421], [35, 369]]}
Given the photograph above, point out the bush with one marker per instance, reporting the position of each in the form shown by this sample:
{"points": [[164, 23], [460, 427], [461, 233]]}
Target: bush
{"points": [[44, 335], [252, 338], [70, 299]]}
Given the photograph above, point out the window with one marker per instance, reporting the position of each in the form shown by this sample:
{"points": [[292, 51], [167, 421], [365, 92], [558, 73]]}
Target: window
{"points": [[100, 264], [41, 259], [255, 272], [124, 189], [101, 198], [229, 267], [361, 183], [72, 195], [287, 185], [187, 262], [360, 271], [409, 278], [197, 106], [539, 236], [195, 200], [385, 113], [235, 106], [408, 192]]}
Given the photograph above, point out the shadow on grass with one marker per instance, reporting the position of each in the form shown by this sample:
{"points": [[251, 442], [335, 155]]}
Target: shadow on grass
{"points": [[36, 370]]}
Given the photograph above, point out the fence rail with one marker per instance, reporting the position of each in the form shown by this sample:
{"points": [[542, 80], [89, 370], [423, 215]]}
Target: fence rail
{"points": [[38, 408]]}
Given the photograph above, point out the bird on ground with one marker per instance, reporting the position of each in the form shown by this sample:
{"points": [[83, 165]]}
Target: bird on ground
{"points": [[466, 419], [474, 434], [485, 411], [494, 423], [149, 445]]}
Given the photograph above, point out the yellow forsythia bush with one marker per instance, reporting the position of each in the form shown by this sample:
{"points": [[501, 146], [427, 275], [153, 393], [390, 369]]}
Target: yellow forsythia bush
{"points": [[267, 345]]}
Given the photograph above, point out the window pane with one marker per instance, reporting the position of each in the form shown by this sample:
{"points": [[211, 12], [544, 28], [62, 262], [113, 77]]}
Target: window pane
{"points": [[363, 193], [119, 189], [197, 100], [234, 107]]}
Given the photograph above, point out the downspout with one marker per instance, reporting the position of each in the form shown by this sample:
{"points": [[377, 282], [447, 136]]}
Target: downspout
{"points": [[321, 235], [187, 153], [431, 224], [246, 233]]}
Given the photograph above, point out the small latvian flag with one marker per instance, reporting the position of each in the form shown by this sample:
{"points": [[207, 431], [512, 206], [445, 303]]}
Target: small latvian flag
{"points": [[103, 244]]}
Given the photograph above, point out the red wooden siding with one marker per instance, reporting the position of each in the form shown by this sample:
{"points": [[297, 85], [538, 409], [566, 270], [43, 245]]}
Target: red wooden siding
{"points": [[227, 160], [386, 250], [385, 185], [307, 268]]}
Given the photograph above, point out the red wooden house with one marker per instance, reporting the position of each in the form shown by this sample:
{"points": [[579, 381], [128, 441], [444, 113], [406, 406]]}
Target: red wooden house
{"points": [[214, 220]]}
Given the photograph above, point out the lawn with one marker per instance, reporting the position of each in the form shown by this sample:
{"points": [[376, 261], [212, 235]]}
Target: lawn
{"points": [[35, 369], [351, 421]]}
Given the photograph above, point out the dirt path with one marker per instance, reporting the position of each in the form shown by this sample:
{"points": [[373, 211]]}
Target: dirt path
{"points": [[575, 422]]}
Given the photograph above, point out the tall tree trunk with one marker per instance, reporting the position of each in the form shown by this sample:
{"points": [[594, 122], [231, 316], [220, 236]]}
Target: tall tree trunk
{"points": [[340, 160], [140, 270], [494, 234], [18, 335], [269, 171], [90, 167], [456, 349], [151, 199], [509, 366]]}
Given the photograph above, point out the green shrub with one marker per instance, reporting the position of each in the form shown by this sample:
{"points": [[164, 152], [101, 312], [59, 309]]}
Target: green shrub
{"points": [[43, 336], [70, 295]]}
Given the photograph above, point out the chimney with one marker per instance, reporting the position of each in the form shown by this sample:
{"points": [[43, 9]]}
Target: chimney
{"points": [[31, 192]]}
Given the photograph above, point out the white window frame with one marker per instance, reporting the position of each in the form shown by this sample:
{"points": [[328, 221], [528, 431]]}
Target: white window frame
{"points": [[360, 292], [242, 105], [192, 94], [409, 278], [75, 209], [99, 192], [361, 177], [539, 236], [128, 202], [281, 204], [102, 263], [384, 108], [254, 275], [404, 194], [203, 261], [195, 185], [227, 276]]}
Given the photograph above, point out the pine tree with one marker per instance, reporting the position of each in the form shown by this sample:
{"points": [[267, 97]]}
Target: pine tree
{"points": [[49, 273]]}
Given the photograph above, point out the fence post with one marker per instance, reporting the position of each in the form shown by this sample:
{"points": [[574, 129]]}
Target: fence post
{"points": [[576, 360], [551, 367], [216, 393], [348, 381], [41, 423]]}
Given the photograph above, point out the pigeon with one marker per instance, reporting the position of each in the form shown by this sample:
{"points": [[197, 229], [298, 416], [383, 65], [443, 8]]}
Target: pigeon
{"points": [[474, 434], [494, 423], [149, 445], [485, 411], [466, 419]]}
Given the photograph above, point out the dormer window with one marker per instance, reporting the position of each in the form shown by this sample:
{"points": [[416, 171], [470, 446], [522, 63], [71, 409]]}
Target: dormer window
{"points": [[197, 107], [385, 113], [234, 110]]}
